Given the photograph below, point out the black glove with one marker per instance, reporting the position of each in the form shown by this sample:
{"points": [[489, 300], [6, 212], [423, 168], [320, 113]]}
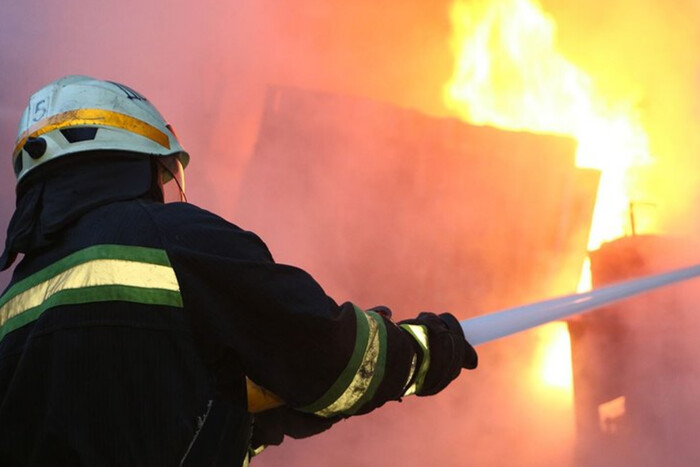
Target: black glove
{"points": [[382, 310], [448, 350]]}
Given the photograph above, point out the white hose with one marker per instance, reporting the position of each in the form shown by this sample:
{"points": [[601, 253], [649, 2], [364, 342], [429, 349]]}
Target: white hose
{"points": [[503, 323]]}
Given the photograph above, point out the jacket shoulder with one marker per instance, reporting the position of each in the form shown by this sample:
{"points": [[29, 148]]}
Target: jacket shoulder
{"points": [[184, 225]]}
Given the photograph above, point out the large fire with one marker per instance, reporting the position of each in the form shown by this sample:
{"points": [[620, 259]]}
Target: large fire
{"points": [[509, 74]]}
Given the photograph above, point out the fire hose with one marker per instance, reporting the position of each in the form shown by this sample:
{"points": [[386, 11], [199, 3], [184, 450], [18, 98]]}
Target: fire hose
{"points": [[492, 326], [486, 328]]}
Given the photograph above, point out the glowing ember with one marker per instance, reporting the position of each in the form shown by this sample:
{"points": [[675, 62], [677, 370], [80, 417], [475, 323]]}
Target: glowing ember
{"points": [[508, 73]]}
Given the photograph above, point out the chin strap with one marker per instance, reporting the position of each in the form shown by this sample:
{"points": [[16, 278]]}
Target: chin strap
{"points": [[166, 174]]}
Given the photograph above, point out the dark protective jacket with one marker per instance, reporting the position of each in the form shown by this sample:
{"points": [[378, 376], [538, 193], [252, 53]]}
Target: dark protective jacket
{"points": [[126, 342]]}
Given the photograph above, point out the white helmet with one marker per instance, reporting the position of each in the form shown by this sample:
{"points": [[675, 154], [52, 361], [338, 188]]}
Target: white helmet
{"points": [[78, 113]]}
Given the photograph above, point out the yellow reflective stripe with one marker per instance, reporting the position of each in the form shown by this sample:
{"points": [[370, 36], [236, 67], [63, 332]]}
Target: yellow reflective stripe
{"points": [[411, 372], [94, 273], [93, 117], [252, 452], [363, 376], [256, 451], [420, 334]]}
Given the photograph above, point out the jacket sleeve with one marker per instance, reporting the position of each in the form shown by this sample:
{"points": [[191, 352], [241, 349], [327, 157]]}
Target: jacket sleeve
{"points": [[277, 325]]}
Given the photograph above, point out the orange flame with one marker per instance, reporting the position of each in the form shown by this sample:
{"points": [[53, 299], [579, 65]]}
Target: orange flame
{"points": [[509, 73], [554, 355]]}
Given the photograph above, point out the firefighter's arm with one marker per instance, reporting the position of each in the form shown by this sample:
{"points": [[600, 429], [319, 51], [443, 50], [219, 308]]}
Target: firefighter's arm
{"points": [[289, 337], [450, 353], [441, 351]]}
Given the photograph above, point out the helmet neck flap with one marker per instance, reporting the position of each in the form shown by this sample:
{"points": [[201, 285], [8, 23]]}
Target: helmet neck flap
{"points": [[55, 196]]}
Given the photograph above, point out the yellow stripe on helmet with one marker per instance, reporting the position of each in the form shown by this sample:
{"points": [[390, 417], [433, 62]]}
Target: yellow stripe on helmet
{"points": [[92, 117]]}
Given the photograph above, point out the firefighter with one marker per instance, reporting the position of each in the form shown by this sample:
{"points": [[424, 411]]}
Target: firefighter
{"points": [[141, 333]]}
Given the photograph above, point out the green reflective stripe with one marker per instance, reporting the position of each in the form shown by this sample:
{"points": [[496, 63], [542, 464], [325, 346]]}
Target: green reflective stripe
{"points": [[127, 253], [378, 374], [420, 334], [99, 273], [94, 294], [362, 378], [347, 375]]}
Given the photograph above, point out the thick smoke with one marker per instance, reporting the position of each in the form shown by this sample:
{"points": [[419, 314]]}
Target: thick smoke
{"points": [[206, 66]]}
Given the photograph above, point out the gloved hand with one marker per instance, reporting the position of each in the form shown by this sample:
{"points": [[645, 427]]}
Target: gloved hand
{"points": [[448, 351]]}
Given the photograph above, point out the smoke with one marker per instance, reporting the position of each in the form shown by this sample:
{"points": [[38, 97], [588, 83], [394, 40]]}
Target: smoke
{"points": [[206, 65], [643, 350]]}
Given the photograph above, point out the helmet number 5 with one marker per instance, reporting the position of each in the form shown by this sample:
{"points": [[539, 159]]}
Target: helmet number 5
{"points": [[39, 110]]}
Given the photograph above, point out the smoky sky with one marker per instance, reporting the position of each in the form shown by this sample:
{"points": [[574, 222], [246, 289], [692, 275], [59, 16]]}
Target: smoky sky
{"points": [[206, 66]]}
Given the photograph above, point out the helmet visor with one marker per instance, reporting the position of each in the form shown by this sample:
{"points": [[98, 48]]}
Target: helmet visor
{"points": [[172, 179]]}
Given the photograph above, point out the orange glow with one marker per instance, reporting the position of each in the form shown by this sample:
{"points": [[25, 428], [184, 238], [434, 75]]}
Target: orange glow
{"points": [[555, 366], [585, 282], [509, 74]]}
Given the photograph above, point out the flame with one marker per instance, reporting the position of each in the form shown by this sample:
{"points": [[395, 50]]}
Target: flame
{"points": [[509, 73], [585, 282], [555, 350]]}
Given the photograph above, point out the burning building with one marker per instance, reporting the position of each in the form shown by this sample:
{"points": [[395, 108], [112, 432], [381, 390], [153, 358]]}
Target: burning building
{"points": [[441, 213], [387, 205], [367, 183], [635, 363]]}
